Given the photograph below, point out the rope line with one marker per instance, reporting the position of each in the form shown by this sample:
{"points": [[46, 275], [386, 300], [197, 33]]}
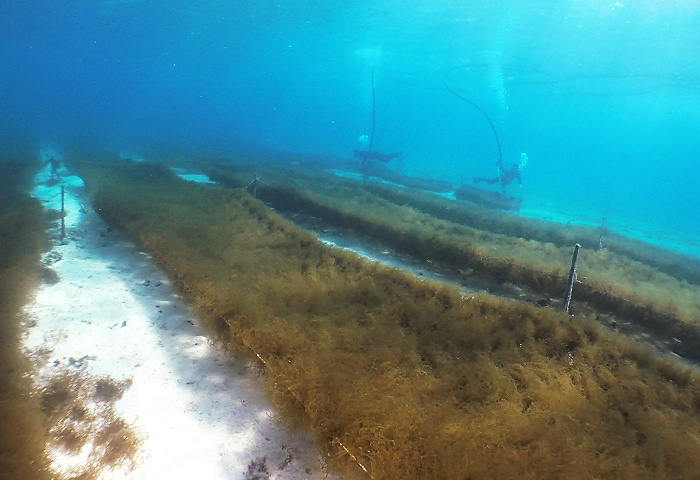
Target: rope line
{"points": [[77, 196], [335, 440], [68, 192]]}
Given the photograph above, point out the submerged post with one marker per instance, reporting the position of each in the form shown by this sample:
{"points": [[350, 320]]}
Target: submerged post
{"points": [[572, 279], [63, 213], [254, 184]]}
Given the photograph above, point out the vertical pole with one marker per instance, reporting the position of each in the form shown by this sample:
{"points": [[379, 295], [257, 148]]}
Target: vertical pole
{"points": [[253, 184], [63, 213], [572, 278], [600, 242]]}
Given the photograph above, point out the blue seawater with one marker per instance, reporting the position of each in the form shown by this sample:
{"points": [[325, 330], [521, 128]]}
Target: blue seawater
{"points": [[603, 96]]}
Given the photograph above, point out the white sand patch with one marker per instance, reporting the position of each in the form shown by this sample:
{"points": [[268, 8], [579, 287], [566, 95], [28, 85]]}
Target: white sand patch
{"points": [[113, 312], [192, 176], [134, 157]]}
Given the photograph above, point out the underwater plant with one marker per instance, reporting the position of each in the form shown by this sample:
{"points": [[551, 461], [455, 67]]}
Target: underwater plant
{"points": [[81, 421], [22, 434], [612, 282], [398, 376]]}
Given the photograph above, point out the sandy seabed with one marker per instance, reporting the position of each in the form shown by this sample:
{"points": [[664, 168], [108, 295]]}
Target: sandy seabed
{"points": [[112, 312]]}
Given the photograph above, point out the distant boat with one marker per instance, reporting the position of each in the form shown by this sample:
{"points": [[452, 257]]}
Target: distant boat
{"points": [[487, 198]]}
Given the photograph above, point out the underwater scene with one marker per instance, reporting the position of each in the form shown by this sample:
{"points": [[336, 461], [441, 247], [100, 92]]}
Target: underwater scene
{"points": [[349, 240]]}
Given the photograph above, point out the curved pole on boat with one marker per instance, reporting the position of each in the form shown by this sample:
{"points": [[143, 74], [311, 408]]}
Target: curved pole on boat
{"points": [[493, 127]]}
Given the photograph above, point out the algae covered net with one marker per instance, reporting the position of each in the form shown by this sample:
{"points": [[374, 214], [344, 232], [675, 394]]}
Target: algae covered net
{"points": [[399, 377]]}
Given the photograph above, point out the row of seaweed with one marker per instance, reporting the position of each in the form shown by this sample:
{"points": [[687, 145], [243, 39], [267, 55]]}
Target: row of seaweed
{"points": [[610, 281], [22, 427], [675, 264], [672, 263], [400, 377], [69, 412]]}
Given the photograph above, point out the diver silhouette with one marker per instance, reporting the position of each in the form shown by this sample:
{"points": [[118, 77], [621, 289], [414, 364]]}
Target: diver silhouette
{"points": [[504, 176], [55, 166]]}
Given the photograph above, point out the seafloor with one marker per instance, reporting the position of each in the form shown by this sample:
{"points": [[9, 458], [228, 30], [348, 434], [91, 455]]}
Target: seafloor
{"points": [[412, 335]]}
